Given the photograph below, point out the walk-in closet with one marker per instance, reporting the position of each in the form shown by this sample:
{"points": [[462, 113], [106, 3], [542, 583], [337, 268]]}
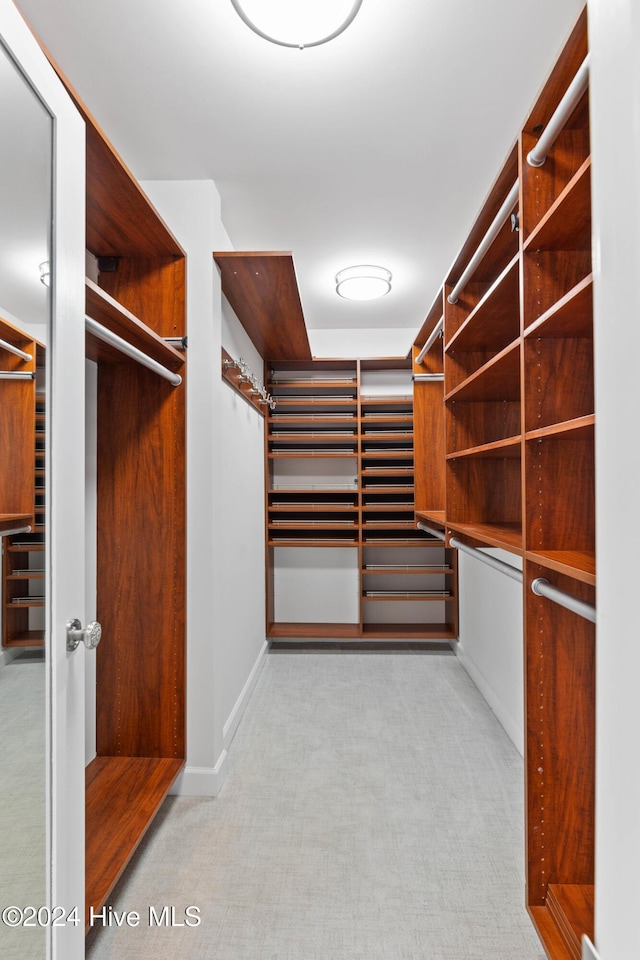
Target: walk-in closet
{"points": [[317, 417]]}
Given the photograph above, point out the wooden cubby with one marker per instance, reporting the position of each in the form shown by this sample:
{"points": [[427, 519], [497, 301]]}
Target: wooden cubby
{"points": [[140, 692], [519, 454], [340, 473]]}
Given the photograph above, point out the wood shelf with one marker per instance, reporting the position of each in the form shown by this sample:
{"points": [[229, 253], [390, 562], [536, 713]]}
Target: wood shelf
{"points": [[570, 316], [580, 426], [405, 631], [123, 795], [32, 638], [494, 322], [286, 631], [579, 564], [506, 536], [105, 309], [567, 224], [498, 379], [498, 450], [382, 435], [262, 289]]}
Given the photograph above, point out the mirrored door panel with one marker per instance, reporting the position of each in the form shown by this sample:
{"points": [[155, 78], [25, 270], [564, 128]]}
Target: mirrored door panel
{"points": [[25, 255]]}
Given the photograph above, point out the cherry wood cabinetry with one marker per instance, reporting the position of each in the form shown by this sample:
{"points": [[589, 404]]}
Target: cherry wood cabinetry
{"points": [[340, 473], [519, 470], [22, 489], [139, 296]]}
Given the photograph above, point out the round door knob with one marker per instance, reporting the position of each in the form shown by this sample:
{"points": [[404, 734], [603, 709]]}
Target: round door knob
{"points": [[89, 635]]}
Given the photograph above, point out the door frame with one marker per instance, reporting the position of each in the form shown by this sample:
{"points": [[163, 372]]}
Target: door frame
{"points": [[64, 580]]}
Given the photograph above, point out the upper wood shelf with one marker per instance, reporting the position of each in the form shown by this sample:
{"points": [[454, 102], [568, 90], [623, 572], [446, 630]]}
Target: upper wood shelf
{"points": [[495, 321], [102, 308], [567, 224], [571, 316], [263, 291]]}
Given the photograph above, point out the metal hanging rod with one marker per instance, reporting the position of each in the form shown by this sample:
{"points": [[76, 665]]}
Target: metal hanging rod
{"points": [[486, 241], [428, 377], [180, 343], [438, 534], [130, 351], [433, 336], [537, 156], [9, 347], [14, 531], [508, 569], [542, 588], [16, 375]]}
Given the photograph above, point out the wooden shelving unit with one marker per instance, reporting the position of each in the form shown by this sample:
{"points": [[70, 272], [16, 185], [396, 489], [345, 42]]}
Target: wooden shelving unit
{"points": [[140, 691], [355, 449], [519, 461], [22, 433]]}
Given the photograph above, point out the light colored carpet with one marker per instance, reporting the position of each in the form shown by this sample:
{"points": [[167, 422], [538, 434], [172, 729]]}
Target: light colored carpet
{"points": [[373, 811], [22, 801]]}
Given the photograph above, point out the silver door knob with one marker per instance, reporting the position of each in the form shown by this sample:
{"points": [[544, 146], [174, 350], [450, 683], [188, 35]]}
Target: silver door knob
{"points": [[89, 635]]}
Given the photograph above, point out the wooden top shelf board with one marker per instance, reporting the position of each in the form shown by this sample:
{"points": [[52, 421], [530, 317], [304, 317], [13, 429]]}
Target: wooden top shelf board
{"points": [[121, 221], [263, 291]]}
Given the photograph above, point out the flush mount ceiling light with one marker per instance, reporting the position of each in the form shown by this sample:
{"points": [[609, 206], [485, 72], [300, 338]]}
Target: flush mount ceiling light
{"points": [[290, 23], [364, 282]]}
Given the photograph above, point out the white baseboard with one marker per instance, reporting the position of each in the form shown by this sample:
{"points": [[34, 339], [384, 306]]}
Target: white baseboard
{"points": [[201, 781], [230, 727], [588, 950], [514, 731]]}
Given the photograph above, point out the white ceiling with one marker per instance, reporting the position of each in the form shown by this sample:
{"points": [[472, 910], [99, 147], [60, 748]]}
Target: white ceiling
{"points": [[377, 147]]}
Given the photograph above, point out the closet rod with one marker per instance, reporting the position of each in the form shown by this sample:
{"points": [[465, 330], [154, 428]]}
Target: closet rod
{"points": [[537, 156], [427, 377], [542, 588], [433, 336], [130, 351], [438, 534], [486, 242], [16, 375], [500, 565], [15, 530], [9, 347]]}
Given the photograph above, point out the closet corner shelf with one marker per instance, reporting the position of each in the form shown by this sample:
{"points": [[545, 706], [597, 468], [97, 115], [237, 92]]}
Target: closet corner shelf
{"points": [[505, 536], [123, 795], [102, 308], [567, 223]]}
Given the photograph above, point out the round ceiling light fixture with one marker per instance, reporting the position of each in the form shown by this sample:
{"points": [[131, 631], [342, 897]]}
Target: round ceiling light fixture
{"points": [[363, 282], [288, 22]]}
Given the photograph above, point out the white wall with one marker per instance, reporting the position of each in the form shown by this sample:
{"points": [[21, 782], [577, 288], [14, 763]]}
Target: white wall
{"points": [[224, 641], [241, 529], [614, 27], [490, 645]]}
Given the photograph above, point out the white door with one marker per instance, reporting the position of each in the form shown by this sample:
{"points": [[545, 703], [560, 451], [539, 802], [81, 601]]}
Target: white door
{"points": [[63, 938]]}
